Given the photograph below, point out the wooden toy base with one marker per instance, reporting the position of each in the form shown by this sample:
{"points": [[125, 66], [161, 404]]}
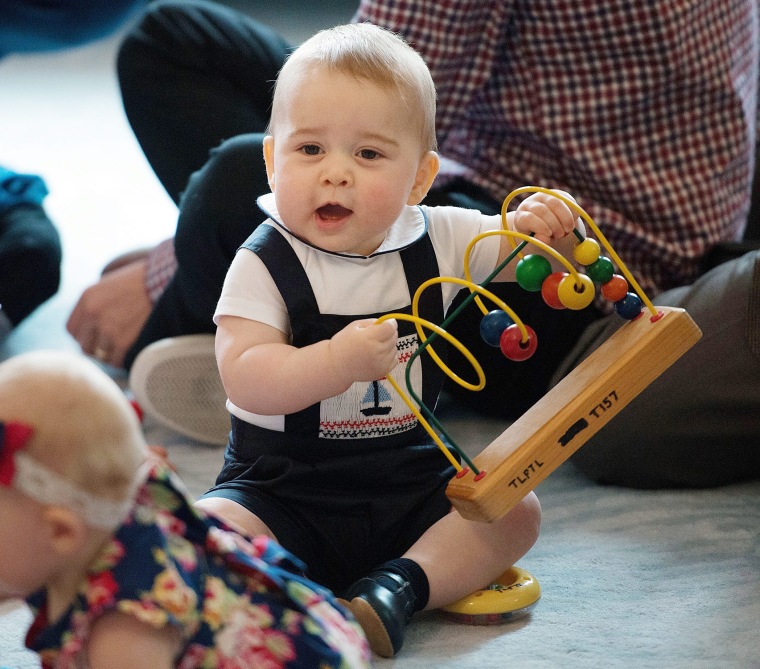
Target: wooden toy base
{"points": [[572, 412]]}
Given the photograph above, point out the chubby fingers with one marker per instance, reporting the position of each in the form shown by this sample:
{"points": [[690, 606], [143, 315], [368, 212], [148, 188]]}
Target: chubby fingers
{"points": [[386, 330], [546, 216], [365, 350], [383, 349], [385, 335]]}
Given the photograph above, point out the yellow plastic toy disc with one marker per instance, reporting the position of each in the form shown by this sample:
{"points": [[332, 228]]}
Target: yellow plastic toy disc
{"points": [[513, 594]]}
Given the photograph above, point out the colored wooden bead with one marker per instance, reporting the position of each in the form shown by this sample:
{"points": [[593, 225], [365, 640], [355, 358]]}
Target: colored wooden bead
{"points": [[549, 290], [574, 296], [493, 324], [615, 289], [629, 307], [531, 271], [587, 251], [513, 347], [601, 270]]}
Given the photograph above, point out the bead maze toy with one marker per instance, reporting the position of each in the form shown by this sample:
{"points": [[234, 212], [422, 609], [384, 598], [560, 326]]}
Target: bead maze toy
{"points": [[585, 400]]}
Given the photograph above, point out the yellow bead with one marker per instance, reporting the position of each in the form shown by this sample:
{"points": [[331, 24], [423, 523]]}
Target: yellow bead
{"points": [[587, 251], [574, 296]]}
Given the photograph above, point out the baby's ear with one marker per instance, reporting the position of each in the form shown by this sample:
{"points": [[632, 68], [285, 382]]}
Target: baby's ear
{"points": [[427, 170], [269, 159], [66, 530]]}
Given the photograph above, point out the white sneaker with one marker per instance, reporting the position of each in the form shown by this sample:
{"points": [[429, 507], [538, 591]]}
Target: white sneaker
{"points": [[176, 382]]}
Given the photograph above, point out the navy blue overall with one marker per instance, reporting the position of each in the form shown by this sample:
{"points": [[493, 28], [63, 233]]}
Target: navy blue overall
{"points": [[343, 505]]}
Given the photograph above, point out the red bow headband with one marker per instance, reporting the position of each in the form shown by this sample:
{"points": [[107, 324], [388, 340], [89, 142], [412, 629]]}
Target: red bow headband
{"points": [[25, 474], [14, 437]]}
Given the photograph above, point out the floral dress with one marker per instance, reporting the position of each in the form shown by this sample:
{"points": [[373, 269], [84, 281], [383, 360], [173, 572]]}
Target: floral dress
{"points": [[239, 604]]}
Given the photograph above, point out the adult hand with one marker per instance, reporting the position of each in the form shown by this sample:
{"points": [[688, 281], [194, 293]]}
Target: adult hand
{"points": [[111, 313]]}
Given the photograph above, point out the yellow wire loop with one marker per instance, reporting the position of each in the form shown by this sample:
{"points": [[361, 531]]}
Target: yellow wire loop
{"points": [[527, 238], [421, 324], [574, 206]]}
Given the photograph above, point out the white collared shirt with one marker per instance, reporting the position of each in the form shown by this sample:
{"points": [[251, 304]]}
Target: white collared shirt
{"points": [[354, 284]]}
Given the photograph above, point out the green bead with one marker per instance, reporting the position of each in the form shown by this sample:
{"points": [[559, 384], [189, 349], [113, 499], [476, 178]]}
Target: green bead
{"points": [[601, 271], [531, 272]]}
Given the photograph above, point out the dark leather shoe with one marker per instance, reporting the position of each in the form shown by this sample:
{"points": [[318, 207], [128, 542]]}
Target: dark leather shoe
{"points": [[383, 603]]}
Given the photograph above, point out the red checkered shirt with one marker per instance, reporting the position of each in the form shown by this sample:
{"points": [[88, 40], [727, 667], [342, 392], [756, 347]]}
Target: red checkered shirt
{"points": [[644, 111], [160, 268]]}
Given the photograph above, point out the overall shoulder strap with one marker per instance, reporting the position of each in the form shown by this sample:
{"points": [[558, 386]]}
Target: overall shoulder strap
{"points": [[286, 270], [420, 265]]}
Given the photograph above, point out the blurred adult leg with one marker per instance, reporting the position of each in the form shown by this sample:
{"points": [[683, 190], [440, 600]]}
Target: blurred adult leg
{"points": [[698, 424], [196, 80], [217, 213], [27, 26], [193, 74], [30, 248]]}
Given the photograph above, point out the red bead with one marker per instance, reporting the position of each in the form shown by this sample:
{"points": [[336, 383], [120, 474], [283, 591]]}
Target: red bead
{"points": [[493, 324], [615, 289], [512, 345], [549, 290]]}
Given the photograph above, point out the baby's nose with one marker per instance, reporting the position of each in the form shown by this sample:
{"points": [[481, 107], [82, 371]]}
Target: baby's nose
{"points": [[337, 172]]}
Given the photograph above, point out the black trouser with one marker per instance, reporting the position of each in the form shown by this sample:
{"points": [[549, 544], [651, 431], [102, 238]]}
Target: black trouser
{"points": [[192, 75], [30, 247], [30, 260]]}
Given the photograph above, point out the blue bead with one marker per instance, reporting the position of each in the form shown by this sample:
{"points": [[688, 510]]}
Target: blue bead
{"points": [[493, 324], [629, 307]]}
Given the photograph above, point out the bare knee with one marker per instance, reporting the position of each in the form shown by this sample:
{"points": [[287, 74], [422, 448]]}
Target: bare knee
{"points": [[523, 523], [234, 515]]}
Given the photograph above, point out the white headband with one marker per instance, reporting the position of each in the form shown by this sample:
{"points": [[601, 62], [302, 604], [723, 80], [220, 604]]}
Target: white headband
{"points": [[46, 487]]}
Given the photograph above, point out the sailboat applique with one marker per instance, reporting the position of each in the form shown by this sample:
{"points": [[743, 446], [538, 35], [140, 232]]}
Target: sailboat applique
{"points": [[371, 409], [376, 401]]}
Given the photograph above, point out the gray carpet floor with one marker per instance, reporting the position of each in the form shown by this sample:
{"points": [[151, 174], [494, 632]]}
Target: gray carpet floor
{"points": [[629, 578]]}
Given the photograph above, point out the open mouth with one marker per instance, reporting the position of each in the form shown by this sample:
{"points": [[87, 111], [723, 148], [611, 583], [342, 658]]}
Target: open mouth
{"points": [[333, 212]]}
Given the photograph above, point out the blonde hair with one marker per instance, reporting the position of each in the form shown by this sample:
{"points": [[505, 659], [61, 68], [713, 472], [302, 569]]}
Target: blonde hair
{"points": [[85, 429], [365, 51]]}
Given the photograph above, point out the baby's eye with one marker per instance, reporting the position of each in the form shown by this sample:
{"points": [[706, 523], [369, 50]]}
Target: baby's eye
{"points": [[310, 149], [369, 154]]}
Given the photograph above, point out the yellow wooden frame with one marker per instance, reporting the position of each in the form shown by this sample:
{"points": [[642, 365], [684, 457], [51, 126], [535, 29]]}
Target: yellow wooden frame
{"points": [[572, 412]]}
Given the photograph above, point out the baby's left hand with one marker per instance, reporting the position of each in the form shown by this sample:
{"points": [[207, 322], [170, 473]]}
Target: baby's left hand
{"points": [[546, 216]]}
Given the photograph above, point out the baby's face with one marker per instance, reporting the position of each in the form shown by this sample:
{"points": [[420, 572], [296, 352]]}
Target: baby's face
{"points": [[24, 547], [343, 161]]}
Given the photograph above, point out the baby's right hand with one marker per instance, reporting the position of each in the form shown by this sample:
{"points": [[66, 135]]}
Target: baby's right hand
{"points": [[546, 217], [364, 350]]}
